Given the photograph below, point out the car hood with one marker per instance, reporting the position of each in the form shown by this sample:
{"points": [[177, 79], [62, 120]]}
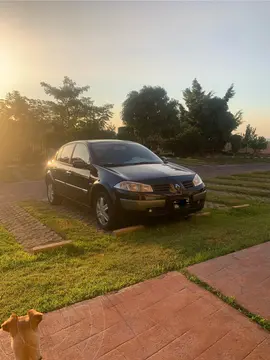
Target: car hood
{"points": [[149, 171]]}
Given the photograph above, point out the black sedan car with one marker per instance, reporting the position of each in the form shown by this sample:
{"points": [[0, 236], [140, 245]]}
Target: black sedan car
{"points": [[113, 176]]}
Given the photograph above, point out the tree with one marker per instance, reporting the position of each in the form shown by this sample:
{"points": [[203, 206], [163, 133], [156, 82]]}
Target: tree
{"points": [[253, 141], [236, 143], [210, 115], [188, 142], [23, 123], [248, 137], [75, 116], [258, 143], [151, 113], [126, 133], [35, 126]]}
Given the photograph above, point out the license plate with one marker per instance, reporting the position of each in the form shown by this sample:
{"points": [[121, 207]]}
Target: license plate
{"points": [[179, 203]]}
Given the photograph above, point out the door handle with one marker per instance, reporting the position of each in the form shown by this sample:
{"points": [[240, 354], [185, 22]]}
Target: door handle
{"points": [[68, 172]]}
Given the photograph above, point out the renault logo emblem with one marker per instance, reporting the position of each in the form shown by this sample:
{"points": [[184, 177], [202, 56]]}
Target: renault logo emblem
{"points": [[178, 188]]}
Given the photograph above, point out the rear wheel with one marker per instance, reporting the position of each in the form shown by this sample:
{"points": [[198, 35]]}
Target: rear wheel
{"points": [[104, 211], [53, 198]]}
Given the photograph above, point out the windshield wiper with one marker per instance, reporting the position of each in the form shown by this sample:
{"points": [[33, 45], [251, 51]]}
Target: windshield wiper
{"points": [[128, 164], [143, 163], [111, 165]]}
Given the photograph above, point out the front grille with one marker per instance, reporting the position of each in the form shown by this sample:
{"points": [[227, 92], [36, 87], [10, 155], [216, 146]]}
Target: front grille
{"points": [[188, 184], [161, 188]]}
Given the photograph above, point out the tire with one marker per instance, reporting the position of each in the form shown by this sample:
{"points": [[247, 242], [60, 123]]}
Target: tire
{"points": [[198, 209], [105, 211], [53, 198]]}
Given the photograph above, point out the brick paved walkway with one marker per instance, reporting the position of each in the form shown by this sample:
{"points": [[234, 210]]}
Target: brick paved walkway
{"points": [[27, 230], [168, 318], [244, 274]]}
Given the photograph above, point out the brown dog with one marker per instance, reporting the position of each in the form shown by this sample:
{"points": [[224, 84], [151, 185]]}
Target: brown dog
{"points": [[24, 335]]}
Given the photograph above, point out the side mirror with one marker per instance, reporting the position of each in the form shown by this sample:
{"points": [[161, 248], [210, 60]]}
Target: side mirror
{"points": [[93, 170], [164, 159], [80, 164]]}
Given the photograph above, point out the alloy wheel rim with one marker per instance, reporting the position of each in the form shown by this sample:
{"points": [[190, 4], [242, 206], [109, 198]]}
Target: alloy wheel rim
{"points": [[102, 211]]}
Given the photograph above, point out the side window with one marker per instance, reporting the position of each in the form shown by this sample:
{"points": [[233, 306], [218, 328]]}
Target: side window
{"points": [[65, 153], [81, 153], [58, 154]]}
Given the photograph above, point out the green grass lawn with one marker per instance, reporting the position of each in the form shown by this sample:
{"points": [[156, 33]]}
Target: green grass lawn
{"points": [[251, 188], [259, 175], [239, 190], [251, 183], [96, 263], [229, 199], [247, 178]]}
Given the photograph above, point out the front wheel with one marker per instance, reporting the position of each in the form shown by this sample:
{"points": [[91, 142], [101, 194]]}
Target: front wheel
{"points": [[53, 198], [104, 211]]}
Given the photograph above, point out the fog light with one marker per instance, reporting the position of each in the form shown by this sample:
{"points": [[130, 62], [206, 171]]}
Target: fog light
{"points": [[150, 210]]}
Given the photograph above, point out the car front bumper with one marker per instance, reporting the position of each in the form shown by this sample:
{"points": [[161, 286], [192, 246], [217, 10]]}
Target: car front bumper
{"points": [[156, 203]]}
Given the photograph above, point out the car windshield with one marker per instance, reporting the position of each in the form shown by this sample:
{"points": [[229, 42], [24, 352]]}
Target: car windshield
{"points": [[122, 154]]}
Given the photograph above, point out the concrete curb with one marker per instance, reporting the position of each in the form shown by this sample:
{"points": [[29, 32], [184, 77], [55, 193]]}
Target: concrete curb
{"points": [[127, 230], [203, 214], [240, 206], [52, 246]]}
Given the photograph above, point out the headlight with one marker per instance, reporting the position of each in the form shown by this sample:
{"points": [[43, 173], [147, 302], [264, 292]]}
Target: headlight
{"points": [[197, 180], [133, 186]]}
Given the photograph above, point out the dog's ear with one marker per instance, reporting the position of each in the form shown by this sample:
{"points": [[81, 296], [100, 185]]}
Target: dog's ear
{"points": [[35, 318], [11, 325]]}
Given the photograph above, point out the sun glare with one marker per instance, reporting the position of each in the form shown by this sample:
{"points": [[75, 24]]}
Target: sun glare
{"points": [[6, 72]]}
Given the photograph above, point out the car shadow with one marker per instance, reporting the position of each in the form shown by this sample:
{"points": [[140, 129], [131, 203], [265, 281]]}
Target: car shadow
{"points": [[84, 213]]}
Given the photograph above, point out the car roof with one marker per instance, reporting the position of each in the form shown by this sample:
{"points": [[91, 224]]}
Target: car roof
{"points": [[109, 141], [99, 141]]}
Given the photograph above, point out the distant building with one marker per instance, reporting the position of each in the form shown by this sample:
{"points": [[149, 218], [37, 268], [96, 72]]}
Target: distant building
{"points": [[228, 148], [267, 150]]}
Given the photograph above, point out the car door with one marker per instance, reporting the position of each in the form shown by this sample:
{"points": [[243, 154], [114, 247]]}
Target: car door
{"points": [[78, 180], [63, 169]]}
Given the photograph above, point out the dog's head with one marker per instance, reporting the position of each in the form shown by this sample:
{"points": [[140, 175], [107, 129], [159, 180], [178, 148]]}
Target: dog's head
{"points": [[15, 324], [24, 334]]}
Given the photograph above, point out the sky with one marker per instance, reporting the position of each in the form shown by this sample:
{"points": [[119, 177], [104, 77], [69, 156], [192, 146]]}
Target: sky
{"points": [[117, 47]]}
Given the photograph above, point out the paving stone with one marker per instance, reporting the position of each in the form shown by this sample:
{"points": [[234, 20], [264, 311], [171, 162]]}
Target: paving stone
{"points": [[147, 343], [187, 323], [261, 352], [28, 231], [244, 275]]}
